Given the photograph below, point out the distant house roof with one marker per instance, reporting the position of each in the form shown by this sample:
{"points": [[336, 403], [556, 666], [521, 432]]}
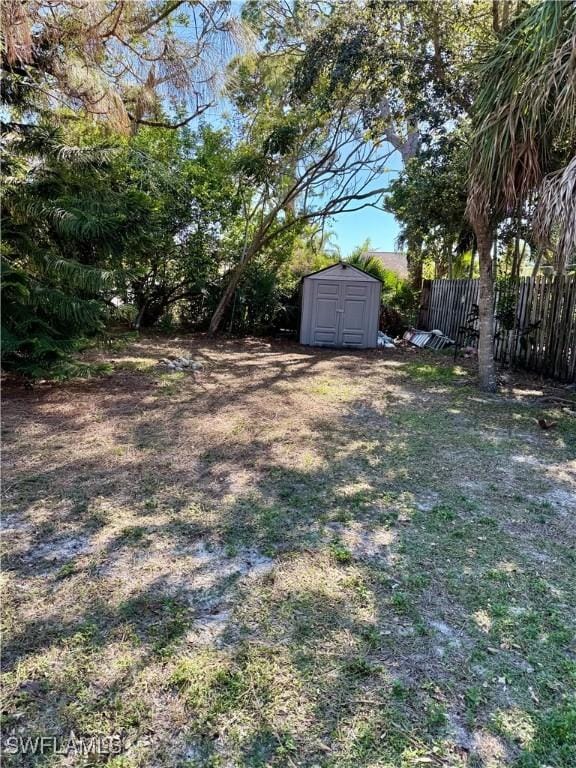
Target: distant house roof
{"points": [[392, 260]]}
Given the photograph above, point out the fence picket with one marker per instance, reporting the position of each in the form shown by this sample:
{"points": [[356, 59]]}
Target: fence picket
{"points": [[545, 300]]}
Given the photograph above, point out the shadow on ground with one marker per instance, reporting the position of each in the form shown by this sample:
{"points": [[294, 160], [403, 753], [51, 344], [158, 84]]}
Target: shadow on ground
{"points": [[294, 557]]}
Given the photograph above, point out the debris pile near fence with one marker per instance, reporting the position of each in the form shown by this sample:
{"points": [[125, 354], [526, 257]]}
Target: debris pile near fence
{"points": [[535, 320], [431, 339]]}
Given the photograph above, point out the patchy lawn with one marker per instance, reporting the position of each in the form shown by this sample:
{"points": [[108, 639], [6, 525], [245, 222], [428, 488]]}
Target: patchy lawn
{"points": [[290, 558]]}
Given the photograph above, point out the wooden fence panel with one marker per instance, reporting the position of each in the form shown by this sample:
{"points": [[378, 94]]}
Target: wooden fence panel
{"points": [[568, 366], [537, 331], [447, 303]]}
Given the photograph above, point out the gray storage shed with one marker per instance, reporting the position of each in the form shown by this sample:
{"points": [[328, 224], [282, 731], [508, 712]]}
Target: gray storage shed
{"points": [[340, 308]]}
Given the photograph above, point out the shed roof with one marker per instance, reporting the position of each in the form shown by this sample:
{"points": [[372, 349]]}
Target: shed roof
{"points": [[342, 271]]}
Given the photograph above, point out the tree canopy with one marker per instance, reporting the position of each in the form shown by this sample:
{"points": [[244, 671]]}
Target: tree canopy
{"points": [[180, 161]]}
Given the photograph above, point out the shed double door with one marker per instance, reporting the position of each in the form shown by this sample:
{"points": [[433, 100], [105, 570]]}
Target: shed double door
{"points": [[340, 313]]}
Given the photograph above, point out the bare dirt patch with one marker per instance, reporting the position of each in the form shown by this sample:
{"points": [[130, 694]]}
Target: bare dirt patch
{"points": [[291, 557]]}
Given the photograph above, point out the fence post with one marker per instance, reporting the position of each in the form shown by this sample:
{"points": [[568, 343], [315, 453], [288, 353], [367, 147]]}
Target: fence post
{"points": [[543, 336]]}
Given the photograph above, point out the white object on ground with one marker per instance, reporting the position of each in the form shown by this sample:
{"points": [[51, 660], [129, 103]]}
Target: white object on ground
{"points": [[181, 364], [385, 341]]}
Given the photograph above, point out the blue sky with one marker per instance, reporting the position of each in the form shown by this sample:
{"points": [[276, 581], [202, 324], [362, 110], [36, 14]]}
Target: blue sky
{"points": [[351, 229]]}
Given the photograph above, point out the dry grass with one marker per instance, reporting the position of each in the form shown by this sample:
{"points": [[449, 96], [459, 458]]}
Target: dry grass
{"points": [[291, 557]]}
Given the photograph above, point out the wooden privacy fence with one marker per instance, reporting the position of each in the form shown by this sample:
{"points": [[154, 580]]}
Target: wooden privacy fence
{"points": [[535, 319]]}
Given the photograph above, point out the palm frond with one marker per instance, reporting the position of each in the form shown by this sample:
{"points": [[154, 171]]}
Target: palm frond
{"points": [[96, 155], [556, 209], [77, 217], [80, 277], [526, 101], [67, 309], [46, 143], [374, 266]]}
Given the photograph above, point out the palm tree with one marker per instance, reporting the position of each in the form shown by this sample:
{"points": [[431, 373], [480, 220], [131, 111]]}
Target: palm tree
{"points": [[524, 142]]}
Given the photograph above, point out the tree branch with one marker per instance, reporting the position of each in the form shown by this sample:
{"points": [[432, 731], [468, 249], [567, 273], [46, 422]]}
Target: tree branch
{"points": [[163, 124], [166, 12]]}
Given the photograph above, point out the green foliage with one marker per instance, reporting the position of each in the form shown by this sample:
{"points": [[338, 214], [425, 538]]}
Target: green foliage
{"points": [[155, 222], [412, 56], [506, 303], [371, 264], [160, 223], [523, 131], [151, 222], [429, 200], [523, 115], [51, 290], [340, 553], [188, 229], [399, 298], [41, 324], [267, 299], [362, 259], [403, 302], [258, 302], [118, 64], [554, 741]]}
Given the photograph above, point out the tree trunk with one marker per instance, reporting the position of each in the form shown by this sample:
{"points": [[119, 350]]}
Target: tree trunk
{"points": [[248, 252], [151, 314], [226, 298], [230, 290], [472, 259], [139, 316], [505, 13], [486, 366], [537, 262], [515, 271], [415, 268], [150, 310], [495, 16], [417, 272]]}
